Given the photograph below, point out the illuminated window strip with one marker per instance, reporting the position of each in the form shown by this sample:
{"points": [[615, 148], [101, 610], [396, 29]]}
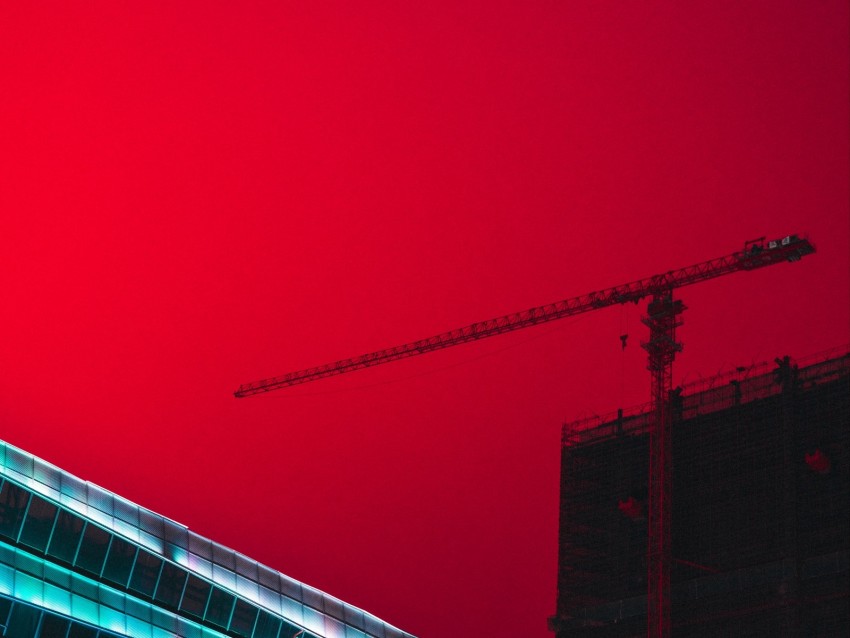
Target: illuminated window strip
{"points": [[49, 563], [32, 473], [76, 622], [25, 587], [23, 468]]}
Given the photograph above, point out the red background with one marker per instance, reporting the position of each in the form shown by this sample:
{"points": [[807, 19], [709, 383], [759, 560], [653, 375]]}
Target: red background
{"points": [[196, 195]]}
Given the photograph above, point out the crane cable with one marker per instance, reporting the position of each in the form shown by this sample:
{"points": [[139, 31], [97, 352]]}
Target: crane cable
{"points": [[624, 337]]}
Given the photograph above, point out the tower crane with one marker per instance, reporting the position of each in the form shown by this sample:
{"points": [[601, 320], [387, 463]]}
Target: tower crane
{"points": [[662, 319]]}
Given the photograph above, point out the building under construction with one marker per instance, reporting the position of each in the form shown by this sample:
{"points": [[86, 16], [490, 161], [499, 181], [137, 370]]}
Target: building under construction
{"points": [[760, 508]]}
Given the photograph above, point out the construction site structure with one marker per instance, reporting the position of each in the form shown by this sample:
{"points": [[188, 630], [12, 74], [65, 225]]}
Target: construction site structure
{"points": [[760, 536], [663, 317]]}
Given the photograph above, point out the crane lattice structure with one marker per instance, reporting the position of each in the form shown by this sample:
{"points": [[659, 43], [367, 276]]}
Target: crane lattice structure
{"points": [[662, 318]]}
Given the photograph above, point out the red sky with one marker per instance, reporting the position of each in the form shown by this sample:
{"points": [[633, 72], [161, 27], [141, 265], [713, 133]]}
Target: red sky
{"points": [[196, 195]]}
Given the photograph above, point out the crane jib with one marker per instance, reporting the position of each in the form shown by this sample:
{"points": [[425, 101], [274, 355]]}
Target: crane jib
{"points": [[756, 254]]}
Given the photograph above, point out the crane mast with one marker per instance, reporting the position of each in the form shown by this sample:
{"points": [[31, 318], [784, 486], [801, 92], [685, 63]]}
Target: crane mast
{"points": [[662, 318]]}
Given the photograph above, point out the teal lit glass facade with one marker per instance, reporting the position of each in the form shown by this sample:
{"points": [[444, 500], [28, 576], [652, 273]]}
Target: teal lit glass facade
{"points": [[77, 561]]}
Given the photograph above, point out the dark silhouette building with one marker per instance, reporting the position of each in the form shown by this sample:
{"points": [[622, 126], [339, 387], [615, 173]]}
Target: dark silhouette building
{"points": [[761, 509]]}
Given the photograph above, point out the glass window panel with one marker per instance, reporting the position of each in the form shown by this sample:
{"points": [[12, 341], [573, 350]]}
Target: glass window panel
{"points": [[267, 626], [223, 556], [333, 608], [150, 523], [5, 608], [136, 608], [119, 562], [53, 627], [93, 549], [109, 600], [19, 461], [38, 523], [81, 631], [170, 586], [290, 631], [219, 608], [311, 597], [23, 622], [269, 578], [66, 536], [243, 618], [195, 597], [246, 567], [13, 502], [145, 573]]}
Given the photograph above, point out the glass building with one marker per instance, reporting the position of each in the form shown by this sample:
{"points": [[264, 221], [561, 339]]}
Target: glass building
{"points": [[77, 561]]}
